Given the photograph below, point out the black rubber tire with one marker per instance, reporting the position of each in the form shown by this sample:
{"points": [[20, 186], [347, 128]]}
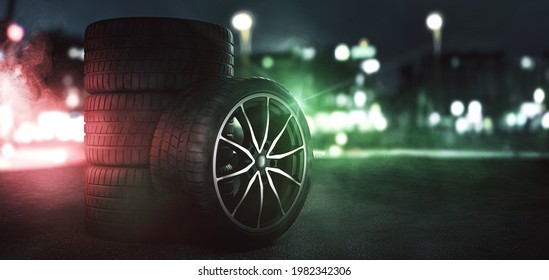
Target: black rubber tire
{"points": [[118, 202], [160, 53], [159, 27], [183, 148], [119, 127], [155, 54]]}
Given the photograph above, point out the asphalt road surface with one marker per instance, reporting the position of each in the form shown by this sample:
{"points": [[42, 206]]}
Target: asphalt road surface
{"points": [[376, 208]]}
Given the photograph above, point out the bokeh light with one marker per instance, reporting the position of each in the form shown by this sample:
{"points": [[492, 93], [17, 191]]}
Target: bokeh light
{"points": [[342, 52], [370, 66], [527, 63], [434, 21], [360, 98], [341, 138], [434, 119], [15, 32], [457, 108], [242, 21], [539, 95], [545, 121]]}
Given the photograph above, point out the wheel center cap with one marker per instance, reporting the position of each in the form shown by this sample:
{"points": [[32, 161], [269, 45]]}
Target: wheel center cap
{"points": [[261, 161]]}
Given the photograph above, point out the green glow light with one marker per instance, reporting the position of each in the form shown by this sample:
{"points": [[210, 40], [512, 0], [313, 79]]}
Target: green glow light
{"points": [[335, 151], [267, 62], [341, 138], [360, 98]]}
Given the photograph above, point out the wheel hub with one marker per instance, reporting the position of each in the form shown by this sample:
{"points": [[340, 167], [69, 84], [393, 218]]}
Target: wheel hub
{"points": [[261, 161]]}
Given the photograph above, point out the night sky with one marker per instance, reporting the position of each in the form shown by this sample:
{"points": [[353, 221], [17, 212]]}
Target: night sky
{"points": [[396, 27]]}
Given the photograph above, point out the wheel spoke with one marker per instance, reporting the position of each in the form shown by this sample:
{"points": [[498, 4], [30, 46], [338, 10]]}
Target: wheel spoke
{"points": [[238, 146], [271, 184], [266, 127], [276, 170], [260, 201], [254, 139], [252, 180], [266, 130], [243, 170], [281, 156], [275, 141], [239, 172]]}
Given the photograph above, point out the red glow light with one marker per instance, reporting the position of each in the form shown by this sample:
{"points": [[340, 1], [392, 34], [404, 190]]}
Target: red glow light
{"points": [[15, 32]]}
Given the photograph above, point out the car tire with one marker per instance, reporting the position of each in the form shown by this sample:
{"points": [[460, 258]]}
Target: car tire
{"points": [[155, 54], [120, 126], [239, 154], [118, 202]]}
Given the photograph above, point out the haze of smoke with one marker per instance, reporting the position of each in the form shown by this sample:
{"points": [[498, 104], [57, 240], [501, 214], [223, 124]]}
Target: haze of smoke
{"points": [[23, 93]]}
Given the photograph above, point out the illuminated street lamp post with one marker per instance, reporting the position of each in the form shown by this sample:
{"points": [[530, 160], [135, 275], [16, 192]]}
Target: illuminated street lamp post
{"points": [[243, 22], [434, 22]]}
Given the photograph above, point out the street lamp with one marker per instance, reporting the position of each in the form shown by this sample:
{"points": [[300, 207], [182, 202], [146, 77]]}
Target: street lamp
{"points": [[243, 22], [434, 22]]}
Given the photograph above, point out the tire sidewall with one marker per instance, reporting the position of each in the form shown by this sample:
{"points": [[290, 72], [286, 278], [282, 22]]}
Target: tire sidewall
{"points": [[245, 89]]}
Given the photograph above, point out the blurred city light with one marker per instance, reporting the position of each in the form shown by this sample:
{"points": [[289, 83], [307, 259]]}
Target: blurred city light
{"points": [[370, 66], [360, 120], [434, 119], [323, 121], [360, 98], [539, 95], [363, 50], [335, 151], [342, 52], [434, 21], [308, 53], [527, 63], [76, 53], [457, 108], [530, 109], [311, 124], [15, 32], [342, 100], [474, 108], [341, 138], [462, 125], [242, 21], [51, 125], [511, 119], [488, 125], [359, 79], [73, 98], [338, 121], [521, 119], [267, 62], [474, 115], [8, 151], [6, 120], [545, 121], [377, 118]]}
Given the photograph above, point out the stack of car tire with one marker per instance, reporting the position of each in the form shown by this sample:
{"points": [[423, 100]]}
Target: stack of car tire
{"points": [[149, 118]]}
